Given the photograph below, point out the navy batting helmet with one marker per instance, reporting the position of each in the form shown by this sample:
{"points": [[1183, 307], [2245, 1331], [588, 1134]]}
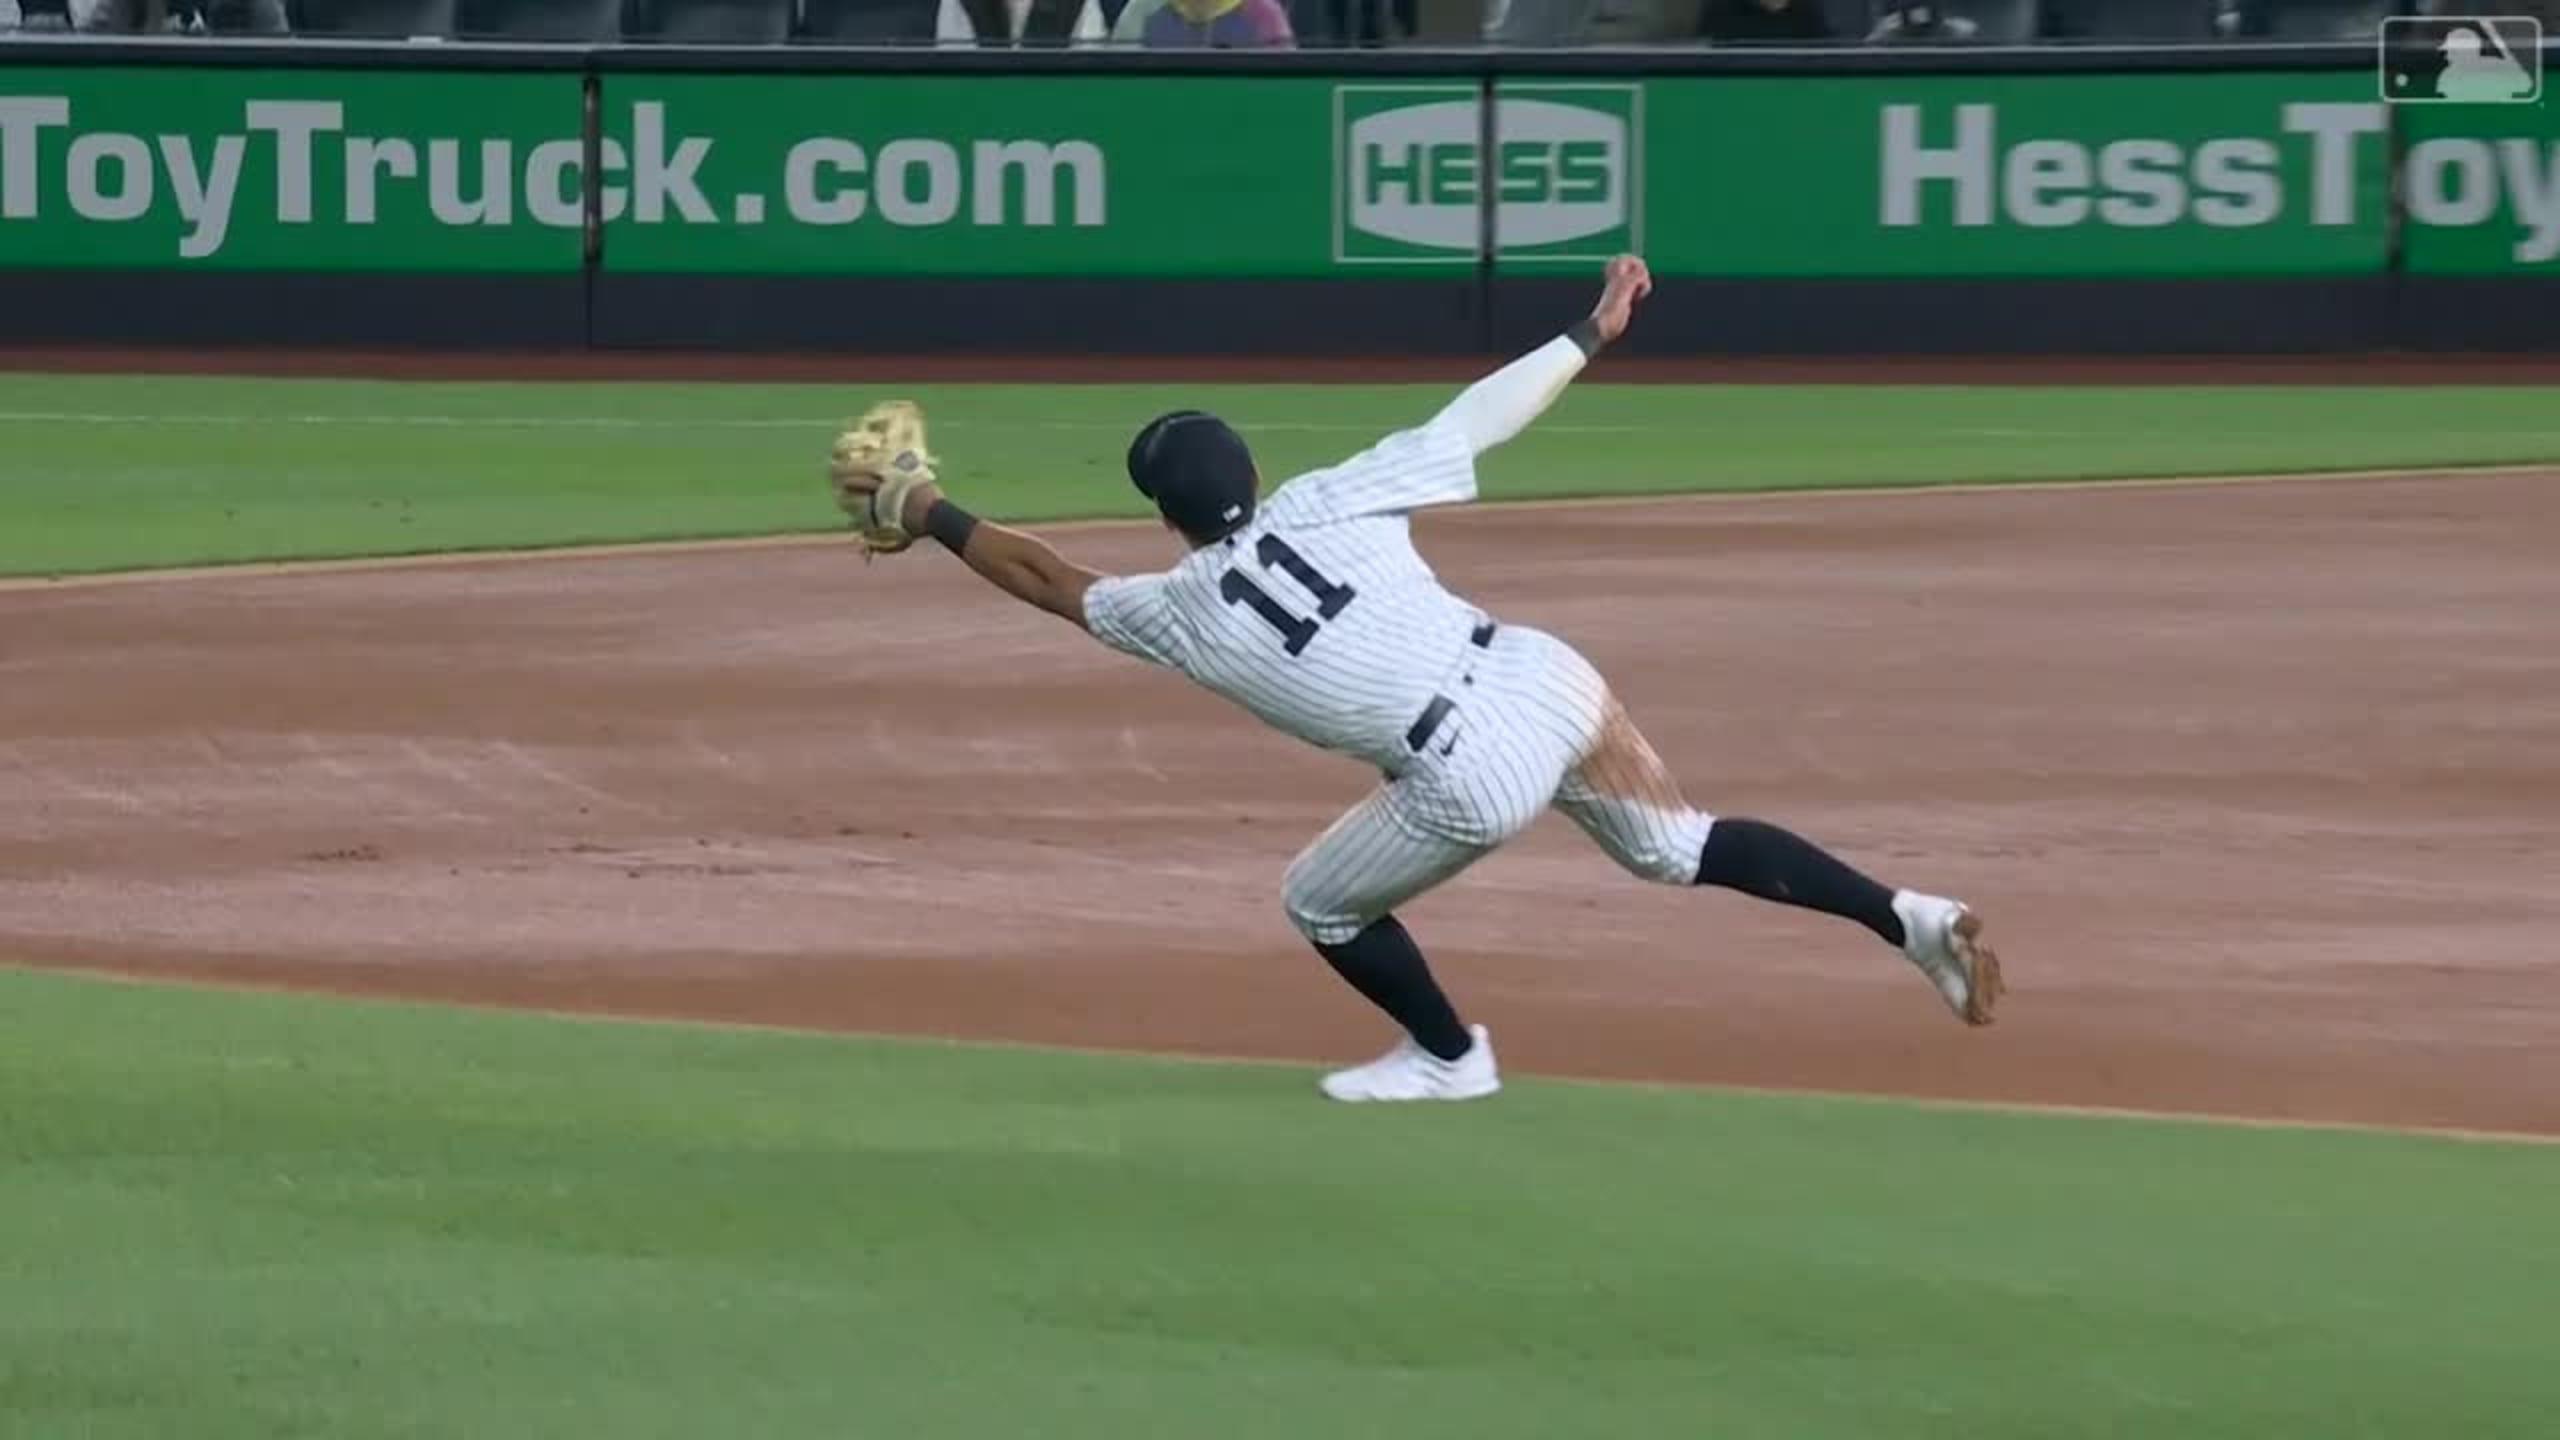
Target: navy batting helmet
{"points": [[1198, 471]]}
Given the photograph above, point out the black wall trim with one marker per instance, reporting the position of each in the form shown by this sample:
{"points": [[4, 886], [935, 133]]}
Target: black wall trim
{"points": [[1204, 317], [2074, 316], [1652, 61], [307, 53], [220, 309], [1062, 316], [2500, 314]]}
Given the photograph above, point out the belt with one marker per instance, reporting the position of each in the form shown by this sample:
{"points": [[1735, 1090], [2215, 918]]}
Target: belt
{"points": [[1428, 723]]}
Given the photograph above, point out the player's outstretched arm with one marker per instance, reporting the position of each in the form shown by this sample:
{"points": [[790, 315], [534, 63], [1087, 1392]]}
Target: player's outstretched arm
{"points": [[1502, 404], [1021, 565]]}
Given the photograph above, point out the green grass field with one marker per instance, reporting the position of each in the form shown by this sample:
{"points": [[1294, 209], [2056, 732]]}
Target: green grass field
{"points": [[261, 1217], [258, 1216], [104, 472]]}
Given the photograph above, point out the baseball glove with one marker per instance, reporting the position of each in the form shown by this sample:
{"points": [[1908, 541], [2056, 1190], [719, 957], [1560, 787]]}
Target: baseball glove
{"points": [[878, 461]]}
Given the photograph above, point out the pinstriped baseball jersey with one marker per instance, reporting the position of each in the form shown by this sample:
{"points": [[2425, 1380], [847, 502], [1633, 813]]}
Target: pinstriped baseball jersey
{"points": [[1319, 616]]}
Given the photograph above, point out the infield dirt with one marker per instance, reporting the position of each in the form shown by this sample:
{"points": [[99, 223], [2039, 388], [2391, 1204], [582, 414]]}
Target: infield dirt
{"points": [[2253, 783]]}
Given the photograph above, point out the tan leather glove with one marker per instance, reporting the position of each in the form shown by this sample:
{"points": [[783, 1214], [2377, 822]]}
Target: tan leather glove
{"points": [[878, 461]]}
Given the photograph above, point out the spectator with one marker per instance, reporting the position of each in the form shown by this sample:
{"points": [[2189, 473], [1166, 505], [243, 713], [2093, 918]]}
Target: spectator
{"points": [[1533, 24], [1747, 21], [8, 14], [1637, 22], [37, 15], [1920, 22], [232, 17], [1205, 25], [867, 22], [195, 17], [124, 17], [1369, 24], [1012, 24]]}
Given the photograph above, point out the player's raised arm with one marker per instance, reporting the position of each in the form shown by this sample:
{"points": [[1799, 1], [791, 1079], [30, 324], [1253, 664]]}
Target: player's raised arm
{"points": [[1434, 463], [1502, 404]]}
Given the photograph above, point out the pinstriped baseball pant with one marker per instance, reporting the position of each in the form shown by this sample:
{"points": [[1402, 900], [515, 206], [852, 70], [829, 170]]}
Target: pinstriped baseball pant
{"points": [[1534, 728]]}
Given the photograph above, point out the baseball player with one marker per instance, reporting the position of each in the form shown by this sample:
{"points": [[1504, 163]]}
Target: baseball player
{"points": [[1310, 608]]}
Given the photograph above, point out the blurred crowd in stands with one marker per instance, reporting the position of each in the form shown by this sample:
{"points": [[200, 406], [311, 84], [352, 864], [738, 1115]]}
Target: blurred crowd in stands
{"points": [[1253, 24]]}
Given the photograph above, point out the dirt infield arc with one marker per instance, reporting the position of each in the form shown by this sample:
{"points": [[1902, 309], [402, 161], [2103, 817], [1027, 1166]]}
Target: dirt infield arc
{"points": [[2255, 783]]}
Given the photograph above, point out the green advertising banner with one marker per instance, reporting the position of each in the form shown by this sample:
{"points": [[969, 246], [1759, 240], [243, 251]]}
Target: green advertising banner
{"points": [[2210, 174], [2482, 187], [971, 175], [289, 169], [2197, 174]]}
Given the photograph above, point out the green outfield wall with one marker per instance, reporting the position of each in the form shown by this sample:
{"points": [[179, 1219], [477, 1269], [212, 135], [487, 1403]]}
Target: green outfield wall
{"points": [[1423, 190]]}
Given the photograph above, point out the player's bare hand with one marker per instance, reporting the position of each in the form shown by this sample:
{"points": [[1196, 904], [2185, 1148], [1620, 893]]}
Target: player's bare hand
{"points": [[1624, 281]]}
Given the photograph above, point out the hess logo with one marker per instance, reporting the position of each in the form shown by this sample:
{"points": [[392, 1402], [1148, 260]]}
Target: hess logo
{"points": [[1416, 173]]}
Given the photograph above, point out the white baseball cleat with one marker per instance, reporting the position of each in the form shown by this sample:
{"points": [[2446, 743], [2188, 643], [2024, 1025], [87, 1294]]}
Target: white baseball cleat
{"points": [[1944, 939], [1409, 1072]]}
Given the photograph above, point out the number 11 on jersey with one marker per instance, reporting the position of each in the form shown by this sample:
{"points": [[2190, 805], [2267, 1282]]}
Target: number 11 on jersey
{"points": [[1296, 631]]}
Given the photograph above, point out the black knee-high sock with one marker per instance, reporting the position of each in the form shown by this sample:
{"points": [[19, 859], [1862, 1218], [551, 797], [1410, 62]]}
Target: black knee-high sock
{"points": [[1761, 859], [1384, 964]]}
